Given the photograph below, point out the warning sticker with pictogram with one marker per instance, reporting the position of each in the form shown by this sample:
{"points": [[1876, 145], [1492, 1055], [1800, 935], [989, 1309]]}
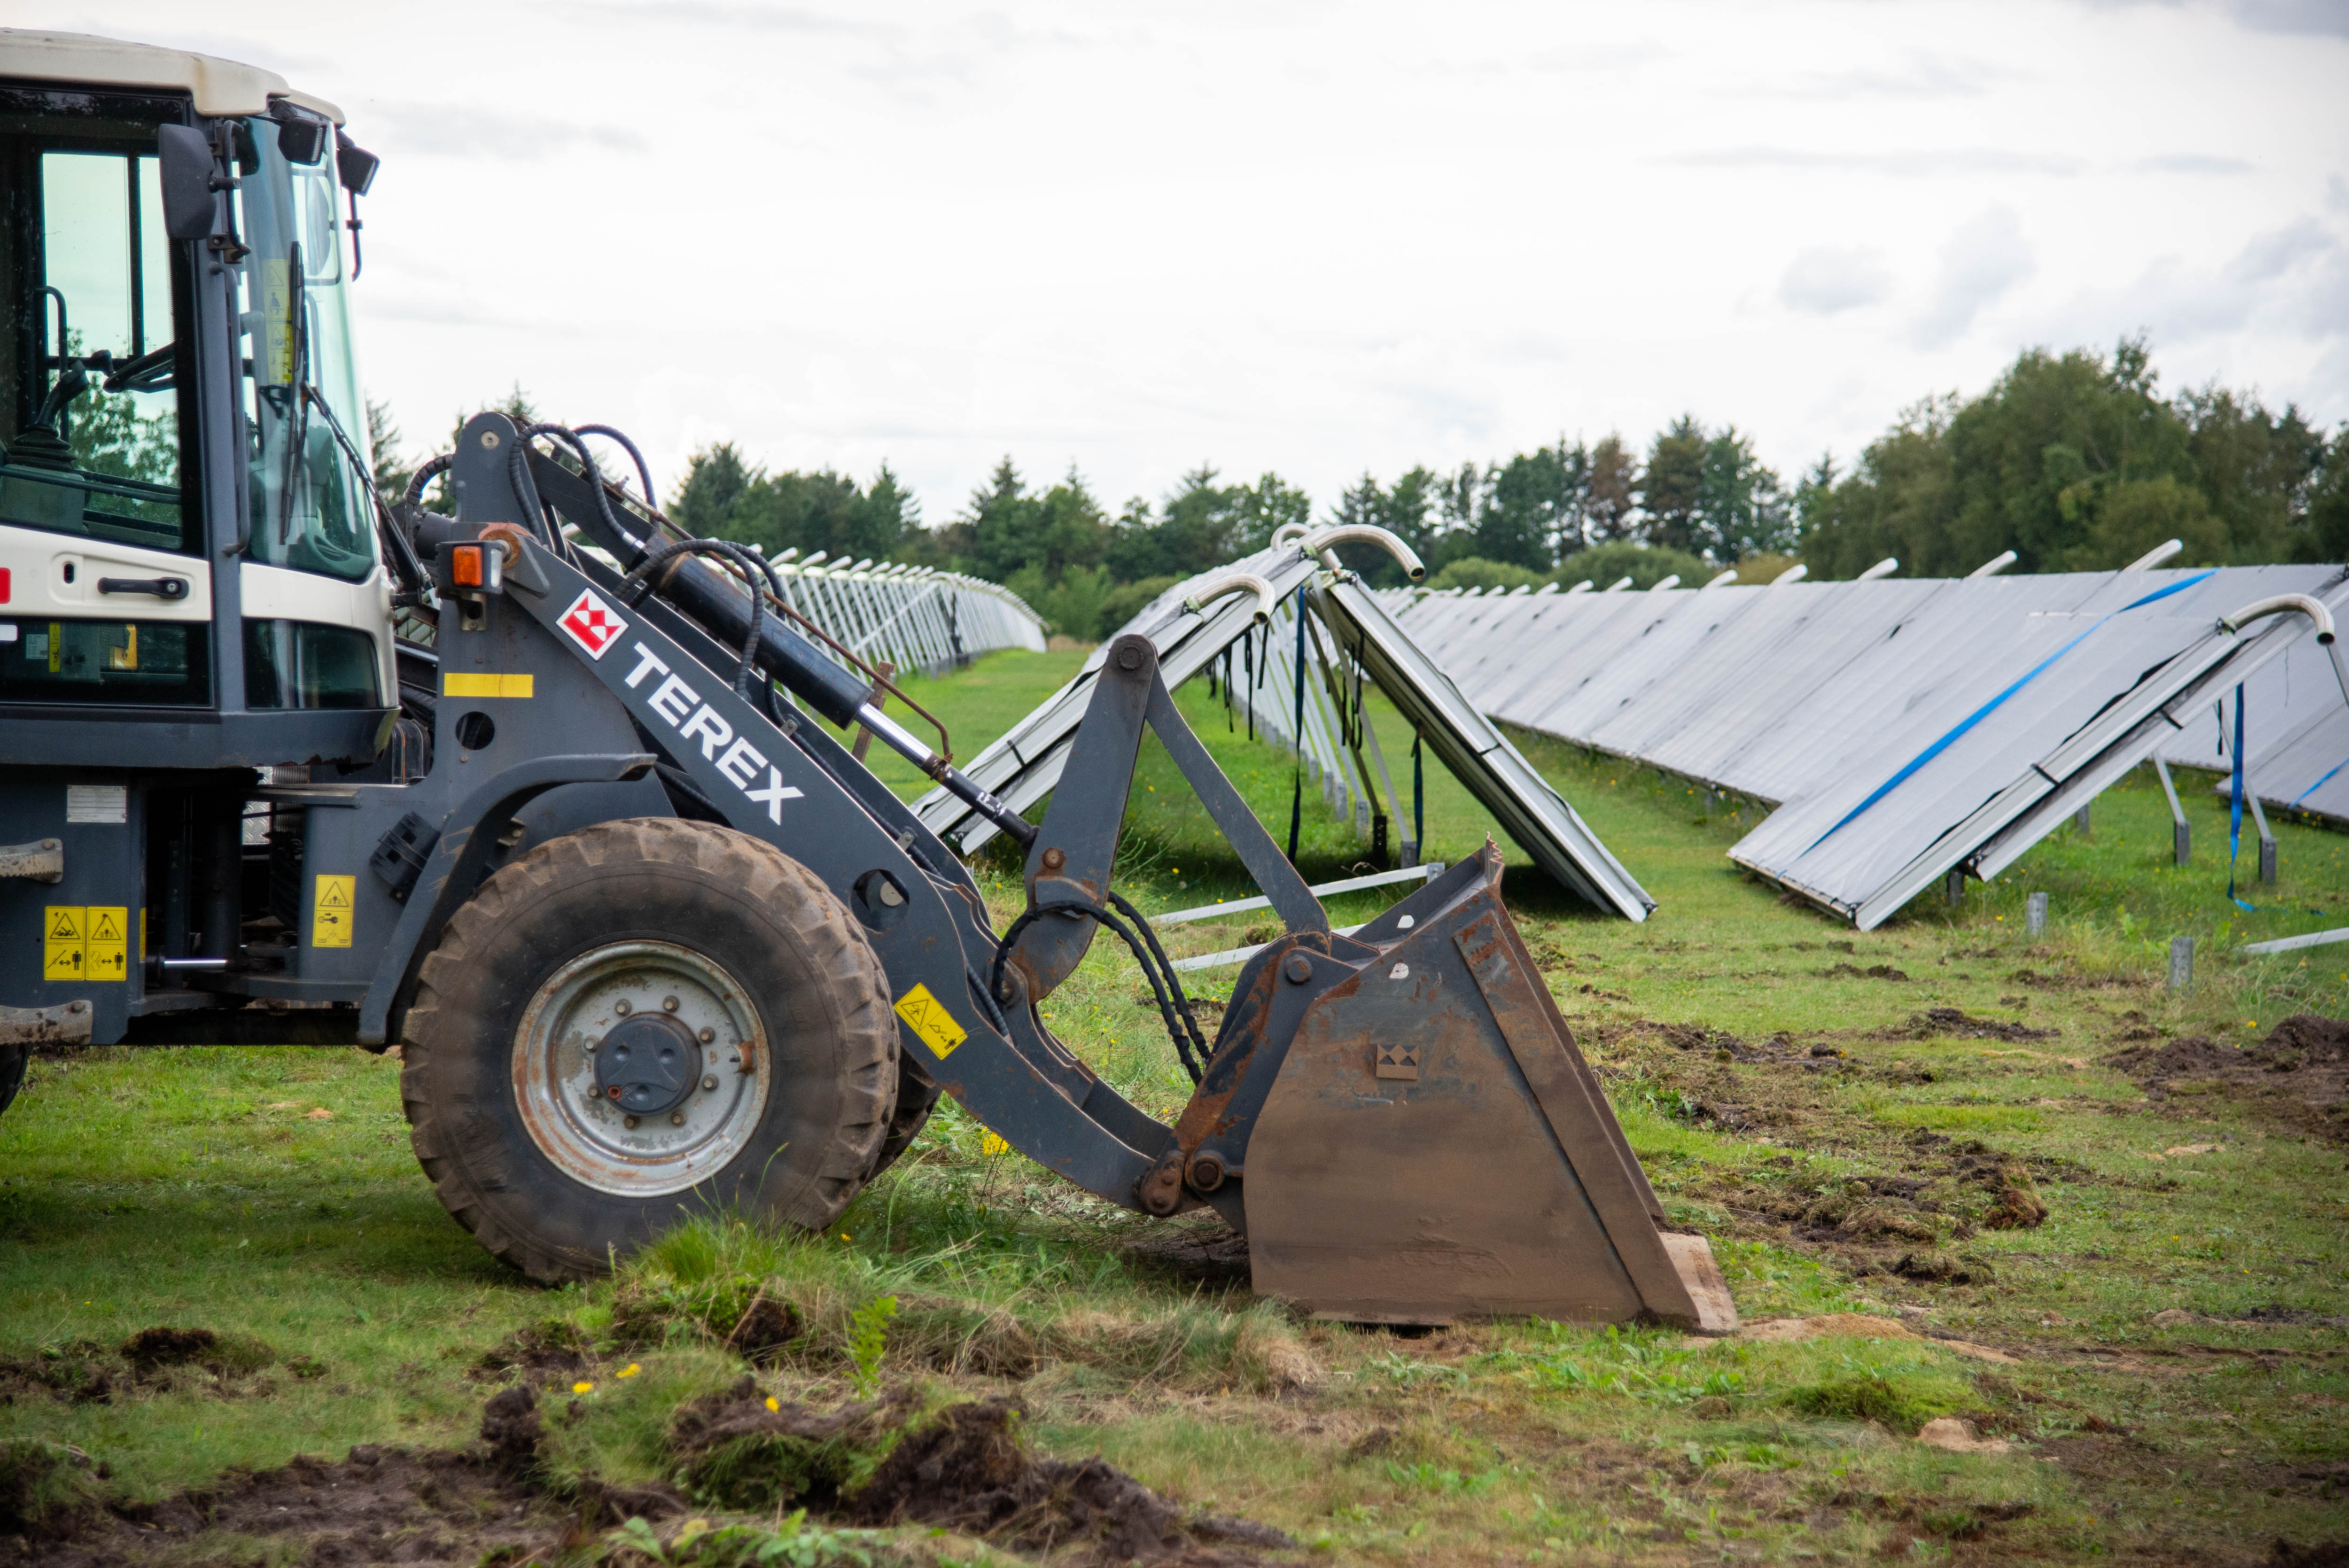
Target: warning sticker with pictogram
{"points": [[330, 910], [106, 946], [928, 1017], [592, 623], [61, 942]]}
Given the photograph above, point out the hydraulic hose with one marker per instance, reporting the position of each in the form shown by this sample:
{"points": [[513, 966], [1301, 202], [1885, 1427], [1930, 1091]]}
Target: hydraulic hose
{"points": [[1167, 1010], [732, 610]]}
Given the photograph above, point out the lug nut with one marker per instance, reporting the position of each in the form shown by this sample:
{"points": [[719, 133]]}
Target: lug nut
{"points": [[668, 1004], [621, 1007], [677, 1119], [708, 1036], [629, 1123], [710, 1082]]}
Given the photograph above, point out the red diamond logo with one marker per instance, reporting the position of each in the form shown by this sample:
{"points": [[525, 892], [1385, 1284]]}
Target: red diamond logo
{"points": [[592, 623]]}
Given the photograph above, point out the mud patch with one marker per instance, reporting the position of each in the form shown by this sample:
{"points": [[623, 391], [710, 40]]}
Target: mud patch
{"points": [[380, 1505], [543, 1353], [1947, 1192], [2299, 1074], [1956, 1023], [1853, 972], [85, 1372], [965, 1467]]}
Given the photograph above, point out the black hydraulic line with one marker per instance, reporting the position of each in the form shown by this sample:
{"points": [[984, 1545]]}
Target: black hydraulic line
{"points": [[1117, 927], [639, 583], [644, 469], [433, 468], [1182, 1002], [712, 598]]}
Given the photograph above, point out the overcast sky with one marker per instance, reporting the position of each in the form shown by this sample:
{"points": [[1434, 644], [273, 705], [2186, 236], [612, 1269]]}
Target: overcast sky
{"points": [[1314, 238]]}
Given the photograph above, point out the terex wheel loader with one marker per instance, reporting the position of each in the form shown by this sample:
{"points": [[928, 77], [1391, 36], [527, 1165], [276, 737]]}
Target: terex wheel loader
{"points": [[533, 790]]}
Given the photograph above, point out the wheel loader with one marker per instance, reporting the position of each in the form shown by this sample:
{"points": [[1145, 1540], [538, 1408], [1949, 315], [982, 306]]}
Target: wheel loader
{"points": [[532, 787]]}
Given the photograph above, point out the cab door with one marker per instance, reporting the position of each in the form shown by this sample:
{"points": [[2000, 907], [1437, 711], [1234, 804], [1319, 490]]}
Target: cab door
{"points": [[105, 594]]}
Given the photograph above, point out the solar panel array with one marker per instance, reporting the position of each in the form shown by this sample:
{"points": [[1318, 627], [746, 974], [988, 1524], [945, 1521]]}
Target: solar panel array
{"points": [[1902, 728], [1347, 634]]}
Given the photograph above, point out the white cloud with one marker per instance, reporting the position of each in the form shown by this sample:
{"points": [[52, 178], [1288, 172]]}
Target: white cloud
{"points": [[1984, 258], [1826, 279], [1296, 235]]}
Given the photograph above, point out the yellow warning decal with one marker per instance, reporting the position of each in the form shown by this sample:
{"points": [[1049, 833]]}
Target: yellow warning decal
{"points": [[61, 943], [85, 944], [330, 910], [927, 1017], [460, 683], [106, 944]]}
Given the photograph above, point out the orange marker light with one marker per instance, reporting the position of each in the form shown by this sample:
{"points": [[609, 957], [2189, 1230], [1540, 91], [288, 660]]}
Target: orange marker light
{"points": [[466, 565]]}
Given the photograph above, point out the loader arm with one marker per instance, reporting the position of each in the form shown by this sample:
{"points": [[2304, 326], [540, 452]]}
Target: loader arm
{"points": [[1398, 1121]]}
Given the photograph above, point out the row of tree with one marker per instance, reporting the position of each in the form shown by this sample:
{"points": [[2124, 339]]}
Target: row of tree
{"points": [[2074, 461], [2077, 462]]}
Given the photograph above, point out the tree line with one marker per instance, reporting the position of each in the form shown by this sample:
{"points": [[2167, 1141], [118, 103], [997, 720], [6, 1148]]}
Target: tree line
{"points": [[2074, 461]]}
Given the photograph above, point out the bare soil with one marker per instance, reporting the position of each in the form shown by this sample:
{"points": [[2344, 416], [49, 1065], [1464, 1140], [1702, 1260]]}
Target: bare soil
{"points": [[379, 1505], [966, 1468], [2299, 1075]]}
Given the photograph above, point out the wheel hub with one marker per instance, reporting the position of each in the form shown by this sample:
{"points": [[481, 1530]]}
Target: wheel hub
{"points": [[640, 1068], [649, 1065]]}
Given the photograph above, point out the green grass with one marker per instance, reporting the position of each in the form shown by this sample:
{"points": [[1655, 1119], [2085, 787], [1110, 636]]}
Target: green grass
{"points": [[194, 1188]]}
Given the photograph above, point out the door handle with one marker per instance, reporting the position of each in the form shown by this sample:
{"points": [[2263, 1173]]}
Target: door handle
{"points": [[161, 587]]}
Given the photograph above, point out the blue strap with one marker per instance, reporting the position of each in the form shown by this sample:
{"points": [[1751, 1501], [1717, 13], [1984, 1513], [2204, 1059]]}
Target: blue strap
{"points": [[1986, 709], [2320, 783], [2235, 810]]}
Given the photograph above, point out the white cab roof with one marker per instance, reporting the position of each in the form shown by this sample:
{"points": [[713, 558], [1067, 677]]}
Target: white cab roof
{"points": [[217, 87]]}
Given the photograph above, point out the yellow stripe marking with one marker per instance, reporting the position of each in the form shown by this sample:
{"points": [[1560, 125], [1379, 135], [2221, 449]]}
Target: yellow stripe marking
{"points": [[457, 682]]}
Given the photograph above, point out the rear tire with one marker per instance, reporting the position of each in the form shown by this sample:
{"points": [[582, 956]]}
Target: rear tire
{"points": [[706, 942]]}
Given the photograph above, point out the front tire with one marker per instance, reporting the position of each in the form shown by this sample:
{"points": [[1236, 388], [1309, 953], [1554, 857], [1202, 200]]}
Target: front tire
{"points": [[639, 1022]]}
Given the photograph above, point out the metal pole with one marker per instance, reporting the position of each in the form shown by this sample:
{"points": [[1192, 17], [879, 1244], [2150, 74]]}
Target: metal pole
{"points": [[2181, 835], [2034, 915], [2181, 963]]}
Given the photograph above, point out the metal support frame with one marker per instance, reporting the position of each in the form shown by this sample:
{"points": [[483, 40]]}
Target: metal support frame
{"points": [[2182, 832]]}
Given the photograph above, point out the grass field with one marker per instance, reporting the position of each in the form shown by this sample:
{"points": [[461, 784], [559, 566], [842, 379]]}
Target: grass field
{"points": [[1909, 1147]]}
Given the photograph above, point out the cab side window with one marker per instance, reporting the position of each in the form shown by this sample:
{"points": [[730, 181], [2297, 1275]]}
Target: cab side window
{"points": [[90, 423]]}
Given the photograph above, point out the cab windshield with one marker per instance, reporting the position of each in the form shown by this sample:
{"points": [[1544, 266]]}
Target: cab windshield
{"points": [[304, 420]]}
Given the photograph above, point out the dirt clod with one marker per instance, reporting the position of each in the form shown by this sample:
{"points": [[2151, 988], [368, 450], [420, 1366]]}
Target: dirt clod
{"points": [[766, 1325], [2298, 1075], [509, 1426], [2315, 1554], [394, 1505], [1942, 1268], [966, 1468], [543, 1352], [152, 1348], [1958, 1024]]}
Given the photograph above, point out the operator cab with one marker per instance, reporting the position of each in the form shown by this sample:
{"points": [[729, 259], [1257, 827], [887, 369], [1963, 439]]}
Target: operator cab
{"points": [[187, 538], [195, 614]]}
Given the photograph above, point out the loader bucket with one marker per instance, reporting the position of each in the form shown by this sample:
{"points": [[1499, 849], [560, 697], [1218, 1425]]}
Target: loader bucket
{"points": [[1434, 1147]]}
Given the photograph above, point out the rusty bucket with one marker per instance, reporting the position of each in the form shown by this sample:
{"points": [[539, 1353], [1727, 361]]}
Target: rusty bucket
{"points": [[1431, 1146]]}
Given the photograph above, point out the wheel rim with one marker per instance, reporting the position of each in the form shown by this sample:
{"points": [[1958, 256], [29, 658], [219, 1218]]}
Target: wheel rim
{"points": [[660, 992]]}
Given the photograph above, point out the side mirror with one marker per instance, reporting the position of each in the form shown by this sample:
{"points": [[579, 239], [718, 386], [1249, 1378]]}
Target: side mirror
{"points": [[300, 138], [186, 160], [355, 164]]}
